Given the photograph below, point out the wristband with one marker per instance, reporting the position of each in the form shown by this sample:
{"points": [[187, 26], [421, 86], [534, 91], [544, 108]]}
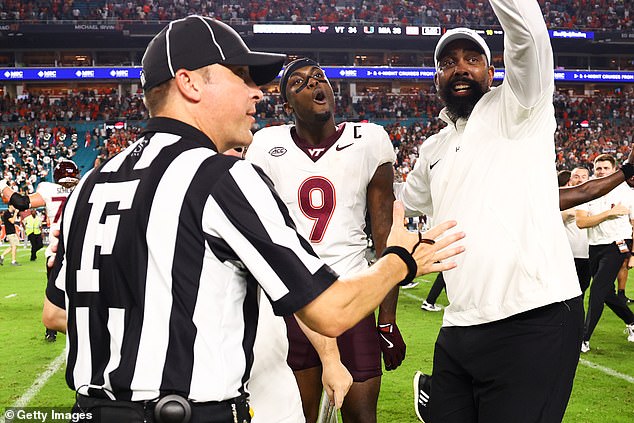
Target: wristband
{"points": [[404, 255], [628, 170]]}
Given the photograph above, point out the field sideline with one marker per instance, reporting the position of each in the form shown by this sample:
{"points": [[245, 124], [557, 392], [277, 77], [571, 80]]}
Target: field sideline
{"points": [[32, 371]]}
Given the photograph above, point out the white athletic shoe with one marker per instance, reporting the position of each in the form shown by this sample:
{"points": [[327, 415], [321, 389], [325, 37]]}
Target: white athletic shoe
{"points": [[629, 330], [585, 346], [410, 285], [430, 307]]}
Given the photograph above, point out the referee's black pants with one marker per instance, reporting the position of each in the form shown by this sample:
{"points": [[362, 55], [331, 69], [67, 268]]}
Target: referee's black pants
{"points": [[605, 262], [519, 369]]}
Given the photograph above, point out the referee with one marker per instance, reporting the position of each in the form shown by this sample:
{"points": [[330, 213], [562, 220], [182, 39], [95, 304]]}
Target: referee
{"points": [[163, 247]]}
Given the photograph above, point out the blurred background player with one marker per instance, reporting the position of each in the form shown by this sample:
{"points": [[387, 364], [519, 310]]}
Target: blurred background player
{"points": [[608, 220], [330, 176], [53, 196], [9, 220], [429, 303], [33, 231], [578, 238]]}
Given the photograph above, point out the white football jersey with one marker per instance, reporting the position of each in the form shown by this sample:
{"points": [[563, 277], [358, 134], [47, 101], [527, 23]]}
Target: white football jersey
{"points": [[55, 197], [325, 188], [274, 392]]}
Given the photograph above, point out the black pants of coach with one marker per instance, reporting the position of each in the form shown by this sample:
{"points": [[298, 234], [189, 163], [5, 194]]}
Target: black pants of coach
{"points": [[605, 262], [519, 369]]}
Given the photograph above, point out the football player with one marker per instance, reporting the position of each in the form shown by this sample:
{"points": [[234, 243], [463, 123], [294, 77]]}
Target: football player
{"points": [[52, 196], [330, 176]]}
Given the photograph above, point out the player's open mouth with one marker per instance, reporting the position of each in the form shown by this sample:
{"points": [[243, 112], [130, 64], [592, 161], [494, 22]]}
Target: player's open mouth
{"points": [[319, 97]]}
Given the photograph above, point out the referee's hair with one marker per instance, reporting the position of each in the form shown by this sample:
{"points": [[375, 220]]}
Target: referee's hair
{"points": [[156, 98], [563, 177]]}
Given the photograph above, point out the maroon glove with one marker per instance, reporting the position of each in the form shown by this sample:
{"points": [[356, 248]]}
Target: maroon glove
{"points": [[392, 345]]}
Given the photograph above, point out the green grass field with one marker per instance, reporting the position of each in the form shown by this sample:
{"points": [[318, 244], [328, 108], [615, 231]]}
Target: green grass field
{"points": [[603, 392]]}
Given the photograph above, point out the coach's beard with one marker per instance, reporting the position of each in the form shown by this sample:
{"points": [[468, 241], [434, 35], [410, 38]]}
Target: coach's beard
{"points": [[461, 106]]}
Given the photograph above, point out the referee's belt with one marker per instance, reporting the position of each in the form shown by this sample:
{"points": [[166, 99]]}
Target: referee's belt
{"points": [[168, 409]]}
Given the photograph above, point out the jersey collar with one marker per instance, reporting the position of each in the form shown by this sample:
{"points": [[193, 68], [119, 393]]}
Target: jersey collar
{"points": [[176, 127], [315, 152]]}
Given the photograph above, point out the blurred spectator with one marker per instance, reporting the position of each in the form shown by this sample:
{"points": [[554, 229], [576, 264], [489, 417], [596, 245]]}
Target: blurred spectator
{"points": [[577, 14], [37, 130]]}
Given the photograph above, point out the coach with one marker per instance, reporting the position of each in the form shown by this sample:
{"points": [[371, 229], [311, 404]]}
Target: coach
{"points": [[511, 334], [164, 245]]}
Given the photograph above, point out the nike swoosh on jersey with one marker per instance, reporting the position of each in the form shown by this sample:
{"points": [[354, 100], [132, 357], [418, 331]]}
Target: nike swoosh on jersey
{"points": [[431, 166], [339, 148]]}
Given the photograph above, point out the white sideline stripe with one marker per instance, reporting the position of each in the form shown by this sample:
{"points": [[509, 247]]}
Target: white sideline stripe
{"points": [[607, 370], [407, 294], [52, 368], [11, 295]]}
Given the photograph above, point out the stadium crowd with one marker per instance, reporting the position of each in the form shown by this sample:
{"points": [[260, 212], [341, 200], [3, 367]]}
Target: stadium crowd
{"points": [[577, 14], [43, 126], [80, 106]]}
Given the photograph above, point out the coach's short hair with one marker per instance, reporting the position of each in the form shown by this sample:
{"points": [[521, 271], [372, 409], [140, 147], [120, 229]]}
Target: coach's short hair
{"points": [[605, 158]]}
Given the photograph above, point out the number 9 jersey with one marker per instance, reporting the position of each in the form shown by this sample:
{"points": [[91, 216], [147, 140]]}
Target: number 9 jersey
{"points": [[325, 186]]}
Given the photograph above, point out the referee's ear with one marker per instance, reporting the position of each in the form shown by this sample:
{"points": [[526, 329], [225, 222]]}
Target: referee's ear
{"points": [[189, 84]]}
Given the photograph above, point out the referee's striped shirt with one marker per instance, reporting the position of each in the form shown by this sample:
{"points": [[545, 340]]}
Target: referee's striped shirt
{"points": [[162, 250]]}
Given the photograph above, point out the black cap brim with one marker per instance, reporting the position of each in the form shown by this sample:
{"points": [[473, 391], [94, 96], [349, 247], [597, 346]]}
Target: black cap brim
{"points": [[263, 67]]}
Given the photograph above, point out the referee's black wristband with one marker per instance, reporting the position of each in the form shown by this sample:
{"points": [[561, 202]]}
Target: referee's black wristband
{"points": [[628, 170], [404, 255]]}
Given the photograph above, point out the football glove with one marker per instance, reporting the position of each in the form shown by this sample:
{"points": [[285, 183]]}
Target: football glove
{"points": [[392, 345]]}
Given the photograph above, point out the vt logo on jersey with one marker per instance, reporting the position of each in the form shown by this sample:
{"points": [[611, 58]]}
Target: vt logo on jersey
{"points": [[316, 152], [277, 151]]}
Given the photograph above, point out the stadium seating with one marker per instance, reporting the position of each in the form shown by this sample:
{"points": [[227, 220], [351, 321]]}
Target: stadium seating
{"points": [[587, 125], [583, 14]]}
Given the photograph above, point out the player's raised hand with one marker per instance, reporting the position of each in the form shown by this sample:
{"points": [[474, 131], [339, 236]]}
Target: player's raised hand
{"points": [[428, 249]]}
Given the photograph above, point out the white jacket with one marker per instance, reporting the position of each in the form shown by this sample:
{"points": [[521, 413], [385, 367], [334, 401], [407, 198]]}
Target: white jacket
{"points": [[495, 175]]}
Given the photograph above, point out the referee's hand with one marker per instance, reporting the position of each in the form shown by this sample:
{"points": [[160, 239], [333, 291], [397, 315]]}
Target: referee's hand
{"points": [[430, 257]]}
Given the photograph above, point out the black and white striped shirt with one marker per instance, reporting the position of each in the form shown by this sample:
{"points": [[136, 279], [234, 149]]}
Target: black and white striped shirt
{"points": [[162, 250]]}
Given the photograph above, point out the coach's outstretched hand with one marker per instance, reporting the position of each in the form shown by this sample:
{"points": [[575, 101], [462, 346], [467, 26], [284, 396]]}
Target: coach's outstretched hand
{"points": [[428, 250]]}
